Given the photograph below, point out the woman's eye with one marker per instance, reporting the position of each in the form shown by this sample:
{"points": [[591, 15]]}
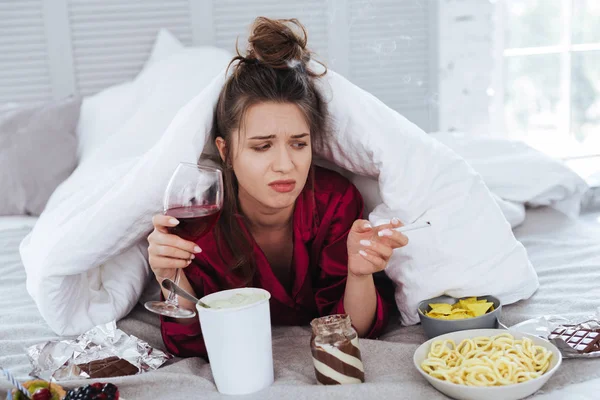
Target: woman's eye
{"points": [[264, 147], [300, 145]]}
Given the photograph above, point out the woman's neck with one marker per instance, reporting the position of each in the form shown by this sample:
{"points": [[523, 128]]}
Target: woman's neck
{"points": [[261, 218]]}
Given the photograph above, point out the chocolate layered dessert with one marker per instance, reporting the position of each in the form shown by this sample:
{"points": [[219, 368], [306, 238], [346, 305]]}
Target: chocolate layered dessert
{"points": [[335, 351], [338, 363]]}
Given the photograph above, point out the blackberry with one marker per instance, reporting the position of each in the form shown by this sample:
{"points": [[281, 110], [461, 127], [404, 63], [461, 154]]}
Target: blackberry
{"points": [[95, 391]]}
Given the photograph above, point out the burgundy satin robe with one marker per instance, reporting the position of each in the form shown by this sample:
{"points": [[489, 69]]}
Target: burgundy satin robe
{"points": [[322, 219]]}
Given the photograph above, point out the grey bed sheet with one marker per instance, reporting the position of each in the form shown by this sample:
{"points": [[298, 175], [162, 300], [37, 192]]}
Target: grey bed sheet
{"points": [[565, 253]]}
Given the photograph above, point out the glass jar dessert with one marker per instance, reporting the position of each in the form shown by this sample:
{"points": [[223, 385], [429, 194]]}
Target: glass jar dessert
{"points": [[335, 351]]}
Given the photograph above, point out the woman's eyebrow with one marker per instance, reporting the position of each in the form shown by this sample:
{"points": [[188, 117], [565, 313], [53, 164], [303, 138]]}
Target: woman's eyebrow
{"points": [[298, 136], [262, 137]]}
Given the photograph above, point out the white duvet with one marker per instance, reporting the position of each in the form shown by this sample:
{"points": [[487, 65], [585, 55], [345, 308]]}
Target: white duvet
{"points": [[518, 175], [86, 258]]}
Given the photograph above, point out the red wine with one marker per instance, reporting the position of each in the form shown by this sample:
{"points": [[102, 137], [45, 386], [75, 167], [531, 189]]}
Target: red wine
{"points": [[194, 222]]}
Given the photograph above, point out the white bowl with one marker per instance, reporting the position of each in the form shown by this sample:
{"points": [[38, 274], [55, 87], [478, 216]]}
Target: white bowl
{"points": [[508, 392]]}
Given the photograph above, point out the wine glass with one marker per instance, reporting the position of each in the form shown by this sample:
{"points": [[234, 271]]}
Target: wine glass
{"points": [[194, 196]]}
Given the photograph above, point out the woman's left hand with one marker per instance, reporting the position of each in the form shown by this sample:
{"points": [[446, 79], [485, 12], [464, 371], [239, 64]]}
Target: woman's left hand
{"points": [[370, 248]]}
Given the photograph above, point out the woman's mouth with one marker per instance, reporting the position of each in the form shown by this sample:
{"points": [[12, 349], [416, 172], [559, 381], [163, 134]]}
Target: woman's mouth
{"points": [[283, 186]]}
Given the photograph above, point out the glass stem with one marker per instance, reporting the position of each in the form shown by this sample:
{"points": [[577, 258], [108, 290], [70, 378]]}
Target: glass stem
{"points": [[172, 299]]}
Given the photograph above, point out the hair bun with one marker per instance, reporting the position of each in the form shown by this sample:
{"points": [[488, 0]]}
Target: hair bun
{"points": [[278, 43]]}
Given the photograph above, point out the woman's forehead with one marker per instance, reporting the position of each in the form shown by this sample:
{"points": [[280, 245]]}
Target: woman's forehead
{"points": [[275, 119]]}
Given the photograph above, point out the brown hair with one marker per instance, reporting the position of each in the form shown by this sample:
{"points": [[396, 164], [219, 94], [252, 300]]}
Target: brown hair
{"points": [[275, 68]]}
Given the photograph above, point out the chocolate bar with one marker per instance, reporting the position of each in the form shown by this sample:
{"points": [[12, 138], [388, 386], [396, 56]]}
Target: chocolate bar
{"points": [[582, 340], [109, 368]]}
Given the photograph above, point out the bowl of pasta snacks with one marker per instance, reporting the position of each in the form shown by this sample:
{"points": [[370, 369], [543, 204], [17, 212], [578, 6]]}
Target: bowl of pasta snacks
{"points": [[491, 364], [445, 314]]}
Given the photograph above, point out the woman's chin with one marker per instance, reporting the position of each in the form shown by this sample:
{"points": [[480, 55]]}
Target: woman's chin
{"points": [[282, 200]]}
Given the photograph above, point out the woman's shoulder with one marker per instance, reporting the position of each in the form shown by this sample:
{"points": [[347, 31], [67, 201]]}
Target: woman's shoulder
{"points": [[327, 180], [331, 187], [335, 200]]}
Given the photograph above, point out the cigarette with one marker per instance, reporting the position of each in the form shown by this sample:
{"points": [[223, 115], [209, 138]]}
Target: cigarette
{"points": [[412, 227]]}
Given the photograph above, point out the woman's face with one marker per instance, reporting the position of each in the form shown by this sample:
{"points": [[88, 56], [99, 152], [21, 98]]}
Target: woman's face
{"points": [[272, 155]]}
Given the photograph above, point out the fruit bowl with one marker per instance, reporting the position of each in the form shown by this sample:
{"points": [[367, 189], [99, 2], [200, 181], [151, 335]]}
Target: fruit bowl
{"points": [[43, 390]]}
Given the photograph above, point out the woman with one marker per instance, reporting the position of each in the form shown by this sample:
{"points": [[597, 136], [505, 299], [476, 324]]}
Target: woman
{"points": [[286, 226]]}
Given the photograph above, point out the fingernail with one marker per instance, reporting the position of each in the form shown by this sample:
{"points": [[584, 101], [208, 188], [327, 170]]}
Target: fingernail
{"points": [[385, 232], [395, 221], [368, 226], [173, 221], [365, 242], [362, 253], [193, 256], [197, 249], [189, 261]]}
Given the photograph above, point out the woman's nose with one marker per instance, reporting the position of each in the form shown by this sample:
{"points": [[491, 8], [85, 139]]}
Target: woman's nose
{"points": [[283, 161]]}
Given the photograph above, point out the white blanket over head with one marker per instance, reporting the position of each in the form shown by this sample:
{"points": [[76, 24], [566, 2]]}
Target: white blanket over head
{"points": [[86, 261]]}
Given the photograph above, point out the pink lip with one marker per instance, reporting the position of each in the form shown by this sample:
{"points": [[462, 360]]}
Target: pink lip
{"points": [[283, 186]]}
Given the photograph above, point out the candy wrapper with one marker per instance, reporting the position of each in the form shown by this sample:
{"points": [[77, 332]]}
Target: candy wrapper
{"points": [[103, 351], [582, 333]]}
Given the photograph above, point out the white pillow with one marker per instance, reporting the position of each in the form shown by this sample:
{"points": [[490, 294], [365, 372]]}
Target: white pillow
{"points": [[513, 212], [165, 45], [518, 173], [103, 113], [158, 93]]}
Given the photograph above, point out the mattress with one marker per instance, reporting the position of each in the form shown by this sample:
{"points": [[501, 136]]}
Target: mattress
{"points": [[565, 253]]}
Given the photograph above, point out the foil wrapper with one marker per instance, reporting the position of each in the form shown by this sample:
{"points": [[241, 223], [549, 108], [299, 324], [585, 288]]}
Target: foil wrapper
{"points": [[59, 360], [543, 327]]}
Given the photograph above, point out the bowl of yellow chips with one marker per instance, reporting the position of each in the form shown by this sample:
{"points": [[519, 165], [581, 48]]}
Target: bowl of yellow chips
{"points": [[445, 314]]}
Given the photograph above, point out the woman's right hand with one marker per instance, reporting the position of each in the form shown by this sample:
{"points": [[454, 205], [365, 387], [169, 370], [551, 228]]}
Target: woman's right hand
{"points": [[168, 252]]}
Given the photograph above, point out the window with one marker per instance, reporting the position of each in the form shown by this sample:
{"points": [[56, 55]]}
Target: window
{"points": [[551, 56]]}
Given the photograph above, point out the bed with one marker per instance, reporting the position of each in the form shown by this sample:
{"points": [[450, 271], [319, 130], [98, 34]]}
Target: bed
{"points": [[565, 253]]}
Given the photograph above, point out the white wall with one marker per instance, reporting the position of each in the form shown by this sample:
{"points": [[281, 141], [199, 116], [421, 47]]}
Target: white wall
{"points": [[466, 62]]}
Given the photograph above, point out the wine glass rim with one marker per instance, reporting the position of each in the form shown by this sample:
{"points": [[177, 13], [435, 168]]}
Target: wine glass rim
{"points": [[202, 167]]}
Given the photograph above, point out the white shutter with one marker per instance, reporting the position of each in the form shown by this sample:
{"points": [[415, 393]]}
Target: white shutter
{"points": [[232, 18], [57, 47], [390, 55], [24, 72], [112, 39], [384, 46]]}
